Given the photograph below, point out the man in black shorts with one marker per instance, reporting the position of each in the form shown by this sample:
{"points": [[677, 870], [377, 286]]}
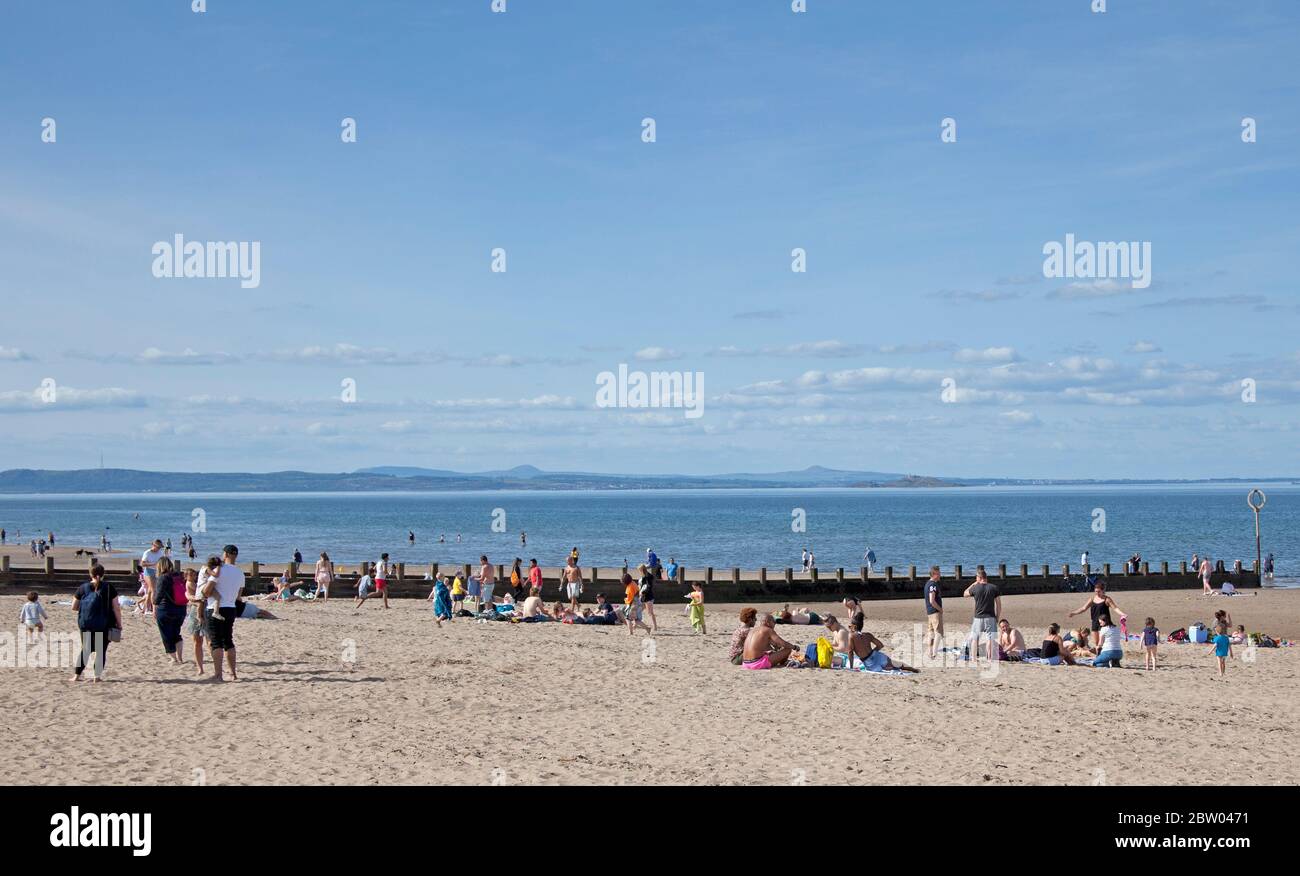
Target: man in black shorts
{"points": [[221, 631]]}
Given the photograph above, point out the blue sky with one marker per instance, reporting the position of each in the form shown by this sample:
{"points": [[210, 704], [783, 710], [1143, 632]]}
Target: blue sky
{"points": [[774, 131]]}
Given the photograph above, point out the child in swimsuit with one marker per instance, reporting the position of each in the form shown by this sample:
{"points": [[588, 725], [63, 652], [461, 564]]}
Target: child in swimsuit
{"points": [[1150, 639]]}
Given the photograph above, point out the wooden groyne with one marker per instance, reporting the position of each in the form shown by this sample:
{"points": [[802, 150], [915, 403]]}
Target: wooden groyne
{"points": [[721, 585]]}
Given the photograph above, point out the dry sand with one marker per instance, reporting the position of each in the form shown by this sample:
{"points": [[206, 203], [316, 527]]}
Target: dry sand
{"points": [[550, 703]]}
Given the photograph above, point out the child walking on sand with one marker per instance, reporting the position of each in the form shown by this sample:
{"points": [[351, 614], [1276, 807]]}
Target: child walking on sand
{"points": [[441, 597], [457, 594], [195, 626], [1150, 640], [1222, 648], [33, 616], [697, 607]]}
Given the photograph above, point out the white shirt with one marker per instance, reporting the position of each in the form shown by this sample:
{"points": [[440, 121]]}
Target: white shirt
{"points": [[1083, 560], [150, 558], [32, 613], [230, 581], [1111, 639], [381, 570]]}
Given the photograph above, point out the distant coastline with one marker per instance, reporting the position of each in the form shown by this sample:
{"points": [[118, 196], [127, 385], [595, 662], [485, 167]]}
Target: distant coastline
{"points": [[110, 480]]}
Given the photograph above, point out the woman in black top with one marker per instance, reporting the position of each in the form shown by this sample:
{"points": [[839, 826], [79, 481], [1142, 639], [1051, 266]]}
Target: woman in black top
{"points": [[167, 610], [98, 612], [648, 595]]}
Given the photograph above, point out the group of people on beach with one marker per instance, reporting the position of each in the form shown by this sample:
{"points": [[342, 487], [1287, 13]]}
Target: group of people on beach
{"points": [[196, 604], [521, 598], [201, 605], [757, 645]]}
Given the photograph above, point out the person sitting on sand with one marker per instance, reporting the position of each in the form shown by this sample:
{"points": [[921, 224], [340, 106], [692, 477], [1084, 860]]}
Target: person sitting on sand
{"points": [[803, 616], [1111, 650], [1010, 641], [853, 607], [1054, 651], [747, 618], [869, 651], [1076, 647], [533, 610], [283, 591], [764, 649], [1239, 636], [841, 643]]}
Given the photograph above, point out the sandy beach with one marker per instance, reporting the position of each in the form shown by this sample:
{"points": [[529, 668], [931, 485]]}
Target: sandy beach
{"points": [[479, 703]]}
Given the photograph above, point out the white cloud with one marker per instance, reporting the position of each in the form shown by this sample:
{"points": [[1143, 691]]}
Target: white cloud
{"points": [[1019, 418], [13, 354], [656, 354], [1144, 347], [987, 356], [70, 398], [351, 354]]}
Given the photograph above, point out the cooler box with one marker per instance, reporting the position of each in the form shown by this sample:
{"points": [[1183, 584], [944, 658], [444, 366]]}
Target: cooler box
{"points": [[1198, 635]]}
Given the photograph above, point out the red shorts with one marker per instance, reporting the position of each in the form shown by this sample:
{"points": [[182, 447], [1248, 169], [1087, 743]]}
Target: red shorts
{"points": [[381, 584]]}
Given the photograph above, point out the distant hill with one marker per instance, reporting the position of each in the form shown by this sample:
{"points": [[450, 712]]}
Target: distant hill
{"points": [[915, 481], [523, 477]]}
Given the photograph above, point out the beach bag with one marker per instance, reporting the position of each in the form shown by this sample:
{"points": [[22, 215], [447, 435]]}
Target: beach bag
{"points": [[810, 653], [825, 653], [178, 590], [1178, 635]]}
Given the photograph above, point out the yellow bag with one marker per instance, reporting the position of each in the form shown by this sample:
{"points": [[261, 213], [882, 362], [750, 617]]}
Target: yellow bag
{"points": [[825, 653]]}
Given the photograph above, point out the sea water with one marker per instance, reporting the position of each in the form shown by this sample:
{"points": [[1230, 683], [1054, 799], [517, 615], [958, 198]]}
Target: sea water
{"points": [[720, 528]]}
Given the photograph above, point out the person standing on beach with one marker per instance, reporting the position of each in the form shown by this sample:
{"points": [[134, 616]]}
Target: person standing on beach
{"points": [[1098, 604], [632, 605], [534, 575], [697, 608], [517, 580], [98, 612], [487, 583], [933, 611], [1206, 572], [648, 595], [803, 560], [381, 578], [324, 577], [572, 580], [149, 570], [1222, 648], [169, 603], [221, 626], [441, 597], [869, 560], [1083, 562], [988, 608]]}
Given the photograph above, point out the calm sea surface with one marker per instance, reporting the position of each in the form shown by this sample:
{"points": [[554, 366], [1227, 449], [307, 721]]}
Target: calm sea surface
{"points": [[722, 528]]}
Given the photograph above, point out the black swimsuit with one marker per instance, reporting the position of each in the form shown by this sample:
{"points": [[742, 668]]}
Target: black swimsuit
{"points": [[1098, 609]]}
